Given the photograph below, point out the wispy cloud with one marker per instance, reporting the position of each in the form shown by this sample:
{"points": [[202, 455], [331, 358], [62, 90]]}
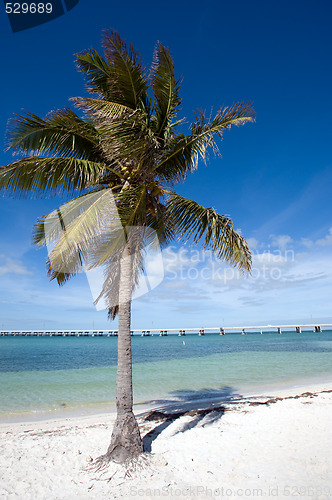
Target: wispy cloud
{"points": [[288, 277], [281, 241], [12, 266]]}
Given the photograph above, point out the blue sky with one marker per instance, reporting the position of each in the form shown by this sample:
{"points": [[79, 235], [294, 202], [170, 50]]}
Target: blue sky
{"points": [[274, 178]]}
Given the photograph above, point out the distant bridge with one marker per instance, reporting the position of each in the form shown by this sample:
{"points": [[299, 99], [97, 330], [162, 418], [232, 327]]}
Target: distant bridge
{"points": [[317, 328]]}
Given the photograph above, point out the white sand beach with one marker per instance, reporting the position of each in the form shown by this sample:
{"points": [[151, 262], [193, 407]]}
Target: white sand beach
{"points": [[257, 447]]}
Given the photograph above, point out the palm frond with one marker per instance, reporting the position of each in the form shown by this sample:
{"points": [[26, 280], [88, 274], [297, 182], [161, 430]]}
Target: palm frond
{"points": [[124, 134], [192, 221], [185, 151], [165, 88], [61, 278], [50, 227], [138, 239], [102, 108], [128, 85], [126, 141], [131, 205], [36, 175], [96, 70], [113, 312], [40, 239], [131, 212], [162, 224], [78, 229], [62, 133]]}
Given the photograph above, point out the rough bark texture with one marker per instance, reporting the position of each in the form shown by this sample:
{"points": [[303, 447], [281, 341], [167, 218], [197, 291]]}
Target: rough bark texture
{"points": [[126, 442]]}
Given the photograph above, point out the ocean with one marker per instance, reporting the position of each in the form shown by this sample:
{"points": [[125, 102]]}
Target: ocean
{"points": [[44, 377]]}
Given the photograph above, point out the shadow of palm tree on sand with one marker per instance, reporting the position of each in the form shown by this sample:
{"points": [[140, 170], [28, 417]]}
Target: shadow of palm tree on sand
{"points": [[204, 407]]}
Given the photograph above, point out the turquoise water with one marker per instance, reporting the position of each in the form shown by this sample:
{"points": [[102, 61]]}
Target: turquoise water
{"points": [[46, 375]]}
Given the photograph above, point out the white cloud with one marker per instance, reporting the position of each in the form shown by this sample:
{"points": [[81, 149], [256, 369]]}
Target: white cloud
{"points": [[199, 289], [253, 243], [321, 242], [325, 241], [307, 243], [281, 241], [11, 266], [176, 259], [284, 283]]}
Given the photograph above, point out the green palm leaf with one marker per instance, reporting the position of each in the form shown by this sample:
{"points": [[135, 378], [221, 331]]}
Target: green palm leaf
{"points": [[192, 221], [127, 141], [166, 90], [128, 86], [40, 238], [97, 71], [162, 224], [102, 108], [77, 229], [55, 175], [185, 151], [62, 133], [131, 212]]}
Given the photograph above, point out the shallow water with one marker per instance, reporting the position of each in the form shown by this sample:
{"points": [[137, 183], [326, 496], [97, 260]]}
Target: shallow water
{"points": [[48, 374]]}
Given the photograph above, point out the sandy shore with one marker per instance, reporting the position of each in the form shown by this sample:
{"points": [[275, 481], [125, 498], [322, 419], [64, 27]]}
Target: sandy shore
{"points": [[252, 447]]}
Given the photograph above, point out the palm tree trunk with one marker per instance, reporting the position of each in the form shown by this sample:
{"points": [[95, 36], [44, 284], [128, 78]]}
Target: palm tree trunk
{"points": [[126, 442]]}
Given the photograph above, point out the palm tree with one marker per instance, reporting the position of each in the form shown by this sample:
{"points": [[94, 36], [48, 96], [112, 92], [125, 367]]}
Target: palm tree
{"points": [[122, 156]]}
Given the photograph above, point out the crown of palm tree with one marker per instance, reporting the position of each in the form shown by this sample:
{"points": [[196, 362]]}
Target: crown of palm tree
{"points": [[127, 143]]}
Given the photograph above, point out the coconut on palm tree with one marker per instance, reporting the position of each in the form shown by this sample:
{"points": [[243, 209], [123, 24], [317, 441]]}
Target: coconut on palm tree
{"points": [[121, 158]]}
